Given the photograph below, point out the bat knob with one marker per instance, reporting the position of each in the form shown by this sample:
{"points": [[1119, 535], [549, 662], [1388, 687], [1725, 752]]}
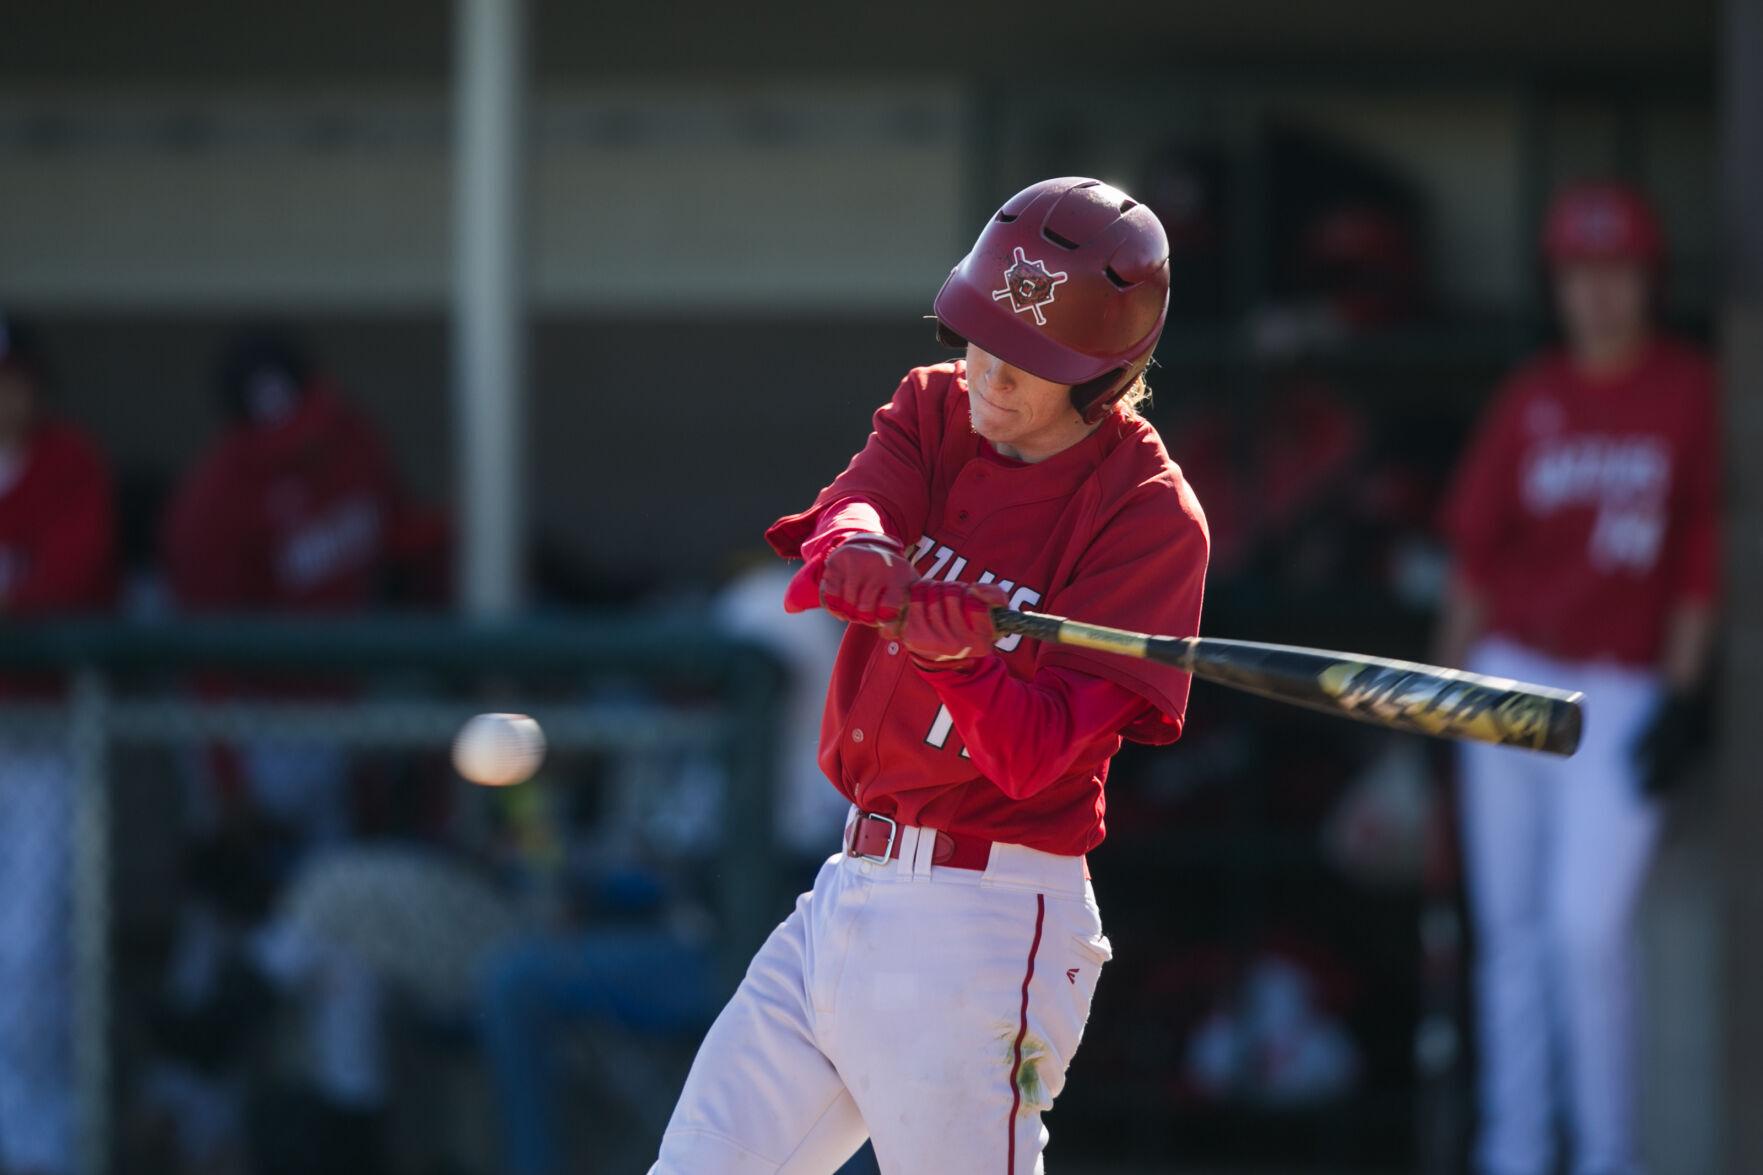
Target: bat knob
{"points": [[1566, 725]]}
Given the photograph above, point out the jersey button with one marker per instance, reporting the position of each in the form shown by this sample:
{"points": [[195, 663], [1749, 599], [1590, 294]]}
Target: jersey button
{"points": [[857, 736], [962, 515], [893, 648]]}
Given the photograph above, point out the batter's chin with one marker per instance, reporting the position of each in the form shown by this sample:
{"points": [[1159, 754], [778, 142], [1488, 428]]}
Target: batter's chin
{"points": [[986, 416], [990, 434]]}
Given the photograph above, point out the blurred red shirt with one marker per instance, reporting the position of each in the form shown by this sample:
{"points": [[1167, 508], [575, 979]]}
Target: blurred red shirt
{"points": [[57, 526], [304, 515], [1585, 511], [57, 534]]}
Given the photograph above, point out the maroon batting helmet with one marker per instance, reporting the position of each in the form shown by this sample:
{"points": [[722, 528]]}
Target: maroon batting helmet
{"points": [[1602, 222], [1070, 282]]}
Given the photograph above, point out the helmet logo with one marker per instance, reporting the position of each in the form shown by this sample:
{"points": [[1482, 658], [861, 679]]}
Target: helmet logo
{"points": [[1029, 286]]}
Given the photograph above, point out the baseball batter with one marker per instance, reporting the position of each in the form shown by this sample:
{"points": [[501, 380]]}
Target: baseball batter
{"points": [[931, 989], [1585, 528]]}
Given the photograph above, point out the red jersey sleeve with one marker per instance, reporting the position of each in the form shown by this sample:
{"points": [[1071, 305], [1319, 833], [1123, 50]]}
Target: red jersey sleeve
{"points": [[1695, 514], [1025, 735], [838, 522], [1481, 504], [73, 566], [1145, 571], [892, 472]]}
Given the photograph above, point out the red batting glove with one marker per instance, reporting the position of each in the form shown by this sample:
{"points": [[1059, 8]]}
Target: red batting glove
{"points": [[866, 580], [948, 623]]}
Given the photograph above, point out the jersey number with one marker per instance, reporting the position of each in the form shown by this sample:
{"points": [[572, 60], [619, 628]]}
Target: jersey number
{"points": [[939, 731]]}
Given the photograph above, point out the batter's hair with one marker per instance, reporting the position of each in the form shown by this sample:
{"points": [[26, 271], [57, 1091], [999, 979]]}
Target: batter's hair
{"points": [[1136, 398]]}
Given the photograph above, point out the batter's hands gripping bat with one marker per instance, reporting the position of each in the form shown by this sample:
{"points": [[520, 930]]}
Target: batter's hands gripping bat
{"points": [[1425, 699]]}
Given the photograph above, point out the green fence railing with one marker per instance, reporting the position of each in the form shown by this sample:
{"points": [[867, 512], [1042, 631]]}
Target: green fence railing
{"points": [[115, 695]]}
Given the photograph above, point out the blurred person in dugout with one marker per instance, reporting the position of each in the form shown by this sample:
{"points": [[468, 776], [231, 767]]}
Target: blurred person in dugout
{"points": [[1584, 525], [657, 978], [56, 554], [295, 508]]}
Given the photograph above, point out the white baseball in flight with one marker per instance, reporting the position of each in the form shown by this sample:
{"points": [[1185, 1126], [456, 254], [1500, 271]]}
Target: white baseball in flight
{"points": [[497, 750]]}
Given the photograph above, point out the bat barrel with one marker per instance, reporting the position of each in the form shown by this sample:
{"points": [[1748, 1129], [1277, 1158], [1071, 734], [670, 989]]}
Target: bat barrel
{"points": [[1400, 695]]}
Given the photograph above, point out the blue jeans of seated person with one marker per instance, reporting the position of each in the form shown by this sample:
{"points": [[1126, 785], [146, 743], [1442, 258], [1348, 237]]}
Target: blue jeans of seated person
{"points": [[642, 979]]}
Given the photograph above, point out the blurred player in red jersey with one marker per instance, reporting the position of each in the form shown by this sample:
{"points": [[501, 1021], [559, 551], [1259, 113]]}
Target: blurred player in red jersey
{"points": [[56, 513], [295, 508], [931, 989], [57, 554], [1585, 527]]}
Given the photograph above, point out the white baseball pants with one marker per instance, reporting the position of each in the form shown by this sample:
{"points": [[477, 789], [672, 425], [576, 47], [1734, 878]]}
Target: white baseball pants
{"points": [[1556, 852], [932, 1010]]}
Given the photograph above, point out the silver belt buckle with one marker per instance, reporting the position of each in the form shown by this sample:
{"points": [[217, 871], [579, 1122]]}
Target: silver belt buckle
{"points": [[887, 854]]}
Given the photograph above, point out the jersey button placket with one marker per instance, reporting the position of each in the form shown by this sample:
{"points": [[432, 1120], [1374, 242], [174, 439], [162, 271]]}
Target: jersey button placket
{"points": [[959, 511], [955, 522], [864, 725]]}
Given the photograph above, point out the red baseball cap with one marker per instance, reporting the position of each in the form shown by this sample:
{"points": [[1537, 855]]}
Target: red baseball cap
{"points": [[1602, 222]]}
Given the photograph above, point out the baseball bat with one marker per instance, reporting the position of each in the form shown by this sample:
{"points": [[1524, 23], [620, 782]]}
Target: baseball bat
{"points": [[1400, 695]]}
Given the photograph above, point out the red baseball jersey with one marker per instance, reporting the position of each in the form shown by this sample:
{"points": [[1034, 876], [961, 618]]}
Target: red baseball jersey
{"points": [[1105, 531], [297, 516], [57, 534], [1585, 510], [57, 526]]}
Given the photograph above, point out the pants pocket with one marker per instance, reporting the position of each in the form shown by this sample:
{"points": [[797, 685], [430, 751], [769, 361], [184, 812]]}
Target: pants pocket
{"points": [[1081, 921]]}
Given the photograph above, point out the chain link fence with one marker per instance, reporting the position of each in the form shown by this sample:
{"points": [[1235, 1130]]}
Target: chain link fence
{"points": [[235, 850]]}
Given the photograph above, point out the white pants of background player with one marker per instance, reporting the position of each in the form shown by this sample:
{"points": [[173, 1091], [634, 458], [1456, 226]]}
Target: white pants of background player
{"points": [[36, 1090], [933, 1010], [1556, 852]]}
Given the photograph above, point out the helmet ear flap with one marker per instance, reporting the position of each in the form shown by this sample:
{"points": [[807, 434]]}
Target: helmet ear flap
{"points": [[1093, 398]]}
